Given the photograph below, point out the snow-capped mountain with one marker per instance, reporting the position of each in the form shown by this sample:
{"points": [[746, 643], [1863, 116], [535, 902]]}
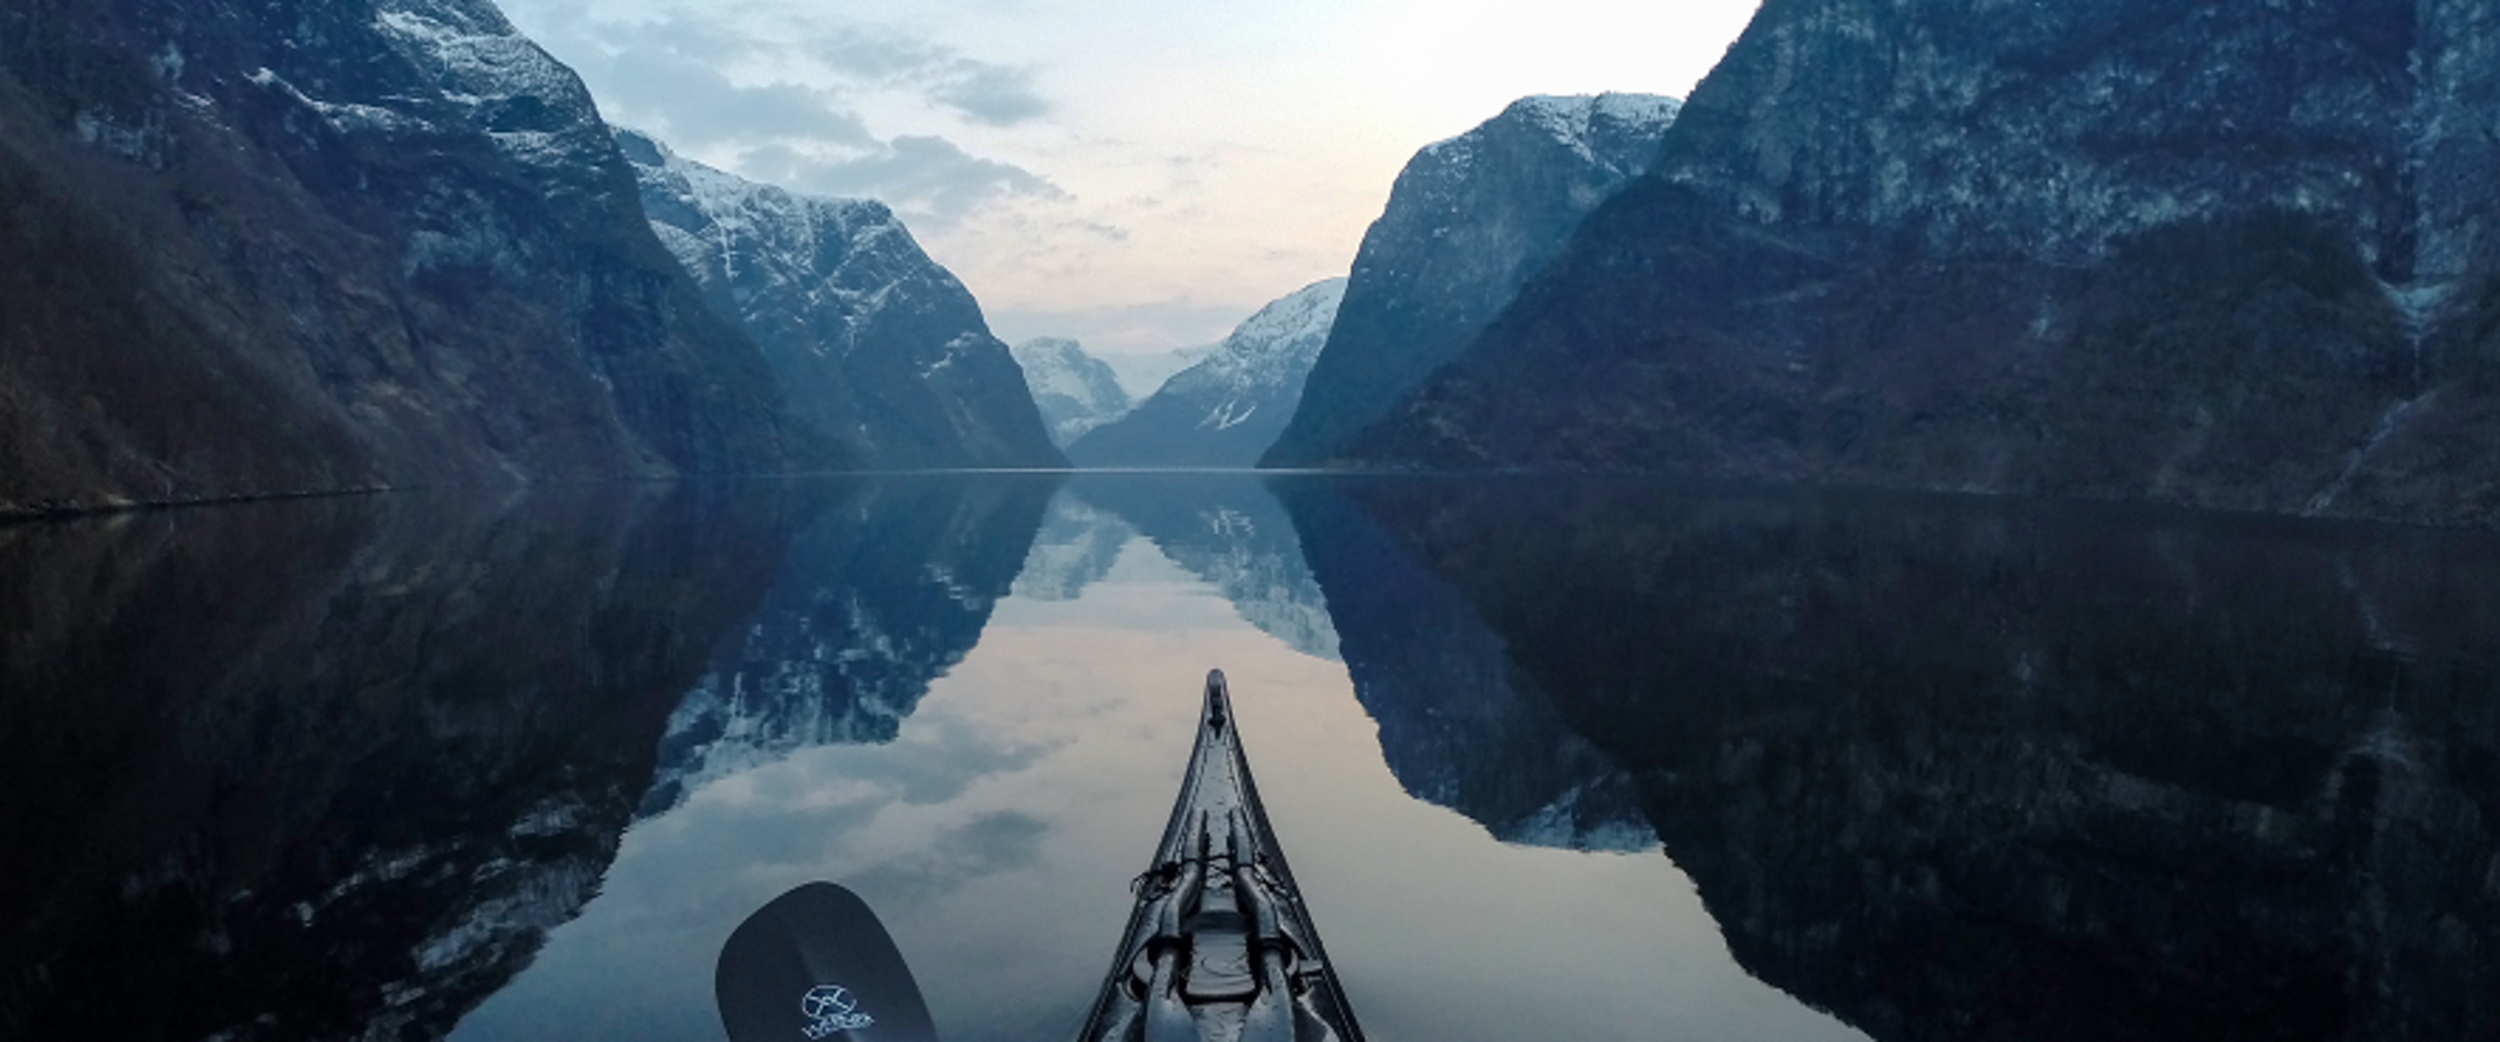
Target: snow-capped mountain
{"points": [[876, 345], [1225, 410], [1142, 374], [1075, 391], [1469, 220], [258, 248]]}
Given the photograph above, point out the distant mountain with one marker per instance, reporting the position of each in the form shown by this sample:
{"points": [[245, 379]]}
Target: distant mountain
{"points": [[1225, 410], [262, 248], [875, 344], [1141, 375], [1468, 222], [1075, 391], [2228, 255]]}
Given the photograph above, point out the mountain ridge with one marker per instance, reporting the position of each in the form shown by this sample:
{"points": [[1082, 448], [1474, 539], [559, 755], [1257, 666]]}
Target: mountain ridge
{"points": [[1225, 410], [1469, 220], [2204, 254], [295, 248], [875, 344]]}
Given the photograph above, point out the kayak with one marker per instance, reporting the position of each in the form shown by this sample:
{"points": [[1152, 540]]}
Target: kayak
{"points": [[1220, 946]]}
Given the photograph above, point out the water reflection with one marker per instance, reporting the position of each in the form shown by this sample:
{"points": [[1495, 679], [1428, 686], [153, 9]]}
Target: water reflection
{"points": [[880, 596], [995, 828], [333, 769], [1972, 770], [1945, 768], [1460, 724], [1230, 532]]}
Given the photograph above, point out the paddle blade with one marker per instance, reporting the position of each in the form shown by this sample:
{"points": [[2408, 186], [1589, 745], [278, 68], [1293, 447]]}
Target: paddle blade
{"points": [[815, 965]]}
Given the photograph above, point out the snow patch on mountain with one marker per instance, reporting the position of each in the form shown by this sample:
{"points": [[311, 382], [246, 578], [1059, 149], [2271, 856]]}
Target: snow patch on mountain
{"points": [[1076, 391], [876, 344], [1225, 410], [538, 111], [1141, 375], [739, 231], [1270, 351]]}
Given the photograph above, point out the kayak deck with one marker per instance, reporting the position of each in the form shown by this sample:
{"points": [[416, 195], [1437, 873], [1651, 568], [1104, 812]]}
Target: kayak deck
{"points": [[1220, 947]]}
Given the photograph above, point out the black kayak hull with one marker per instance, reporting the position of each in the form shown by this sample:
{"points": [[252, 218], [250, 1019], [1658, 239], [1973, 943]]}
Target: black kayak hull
{"points": [[1220, 947]]}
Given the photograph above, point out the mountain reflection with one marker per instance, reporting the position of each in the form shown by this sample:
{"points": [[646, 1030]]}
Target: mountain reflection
{"points": [[1959, 769], [1460, 725], [1230, 532], [333, 768], [889, 587]]}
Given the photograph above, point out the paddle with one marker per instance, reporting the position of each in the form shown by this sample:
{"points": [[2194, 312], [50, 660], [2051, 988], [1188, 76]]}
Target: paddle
{"points": [[814, 966]]}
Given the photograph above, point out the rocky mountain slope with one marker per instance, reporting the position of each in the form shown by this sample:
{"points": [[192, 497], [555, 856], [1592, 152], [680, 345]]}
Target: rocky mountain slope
{"points": [[875, 345], [276, 247], [1076, 392], [1469, 220], [1227, 409], [2223, 254]]}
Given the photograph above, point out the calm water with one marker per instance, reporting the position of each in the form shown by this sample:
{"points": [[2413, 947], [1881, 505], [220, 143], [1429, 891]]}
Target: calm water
{"points": [[1570, 760]]}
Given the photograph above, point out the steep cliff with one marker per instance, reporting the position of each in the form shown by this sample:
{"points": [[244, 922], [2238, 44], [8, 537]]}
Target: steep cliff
{"points": [[277, 247], [876, 345], [1469, 220], [1228, 408], [2225, 254]]}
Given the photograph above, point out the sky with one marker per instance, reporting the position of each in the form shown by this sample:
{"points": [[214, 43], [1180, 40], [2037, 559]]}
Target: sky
{"points": [[1139, 175]]}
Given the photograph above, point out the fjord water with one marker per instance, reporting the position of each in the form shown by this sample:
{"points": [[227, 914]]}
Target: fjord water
{"points": [[1584, 759]]}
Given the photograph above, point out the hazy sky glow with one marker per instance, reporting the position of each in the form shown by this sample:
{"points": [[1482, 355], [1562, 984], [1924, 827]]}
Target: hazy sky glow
{"points": [[1138, 175]]}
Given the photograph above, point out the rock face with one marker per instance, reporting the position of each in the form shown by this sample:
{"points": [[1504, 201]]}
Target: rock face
{"points": [[1227, 409], [1076, 392], [275, 247], [2223, 254], [1469, 221], [876, 346]]}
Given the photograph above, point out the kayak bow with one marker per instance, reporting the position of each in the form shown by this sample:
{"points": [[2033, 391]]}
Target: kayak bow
{"points": [[1220, 946]]}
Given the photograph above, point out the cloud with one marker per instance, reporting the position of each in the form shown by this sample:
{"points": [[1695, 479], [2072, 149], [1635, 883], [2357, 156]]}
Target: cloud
{"points": [[996, 95], [927, 177], [782, 101], [990, 94], [997, 842]]}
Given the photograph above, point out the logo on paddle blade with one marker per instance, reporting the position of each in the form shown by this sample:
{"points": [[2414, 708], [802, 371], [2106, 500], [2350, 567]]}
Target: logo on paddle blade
{"points": [[831, 1008]]}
